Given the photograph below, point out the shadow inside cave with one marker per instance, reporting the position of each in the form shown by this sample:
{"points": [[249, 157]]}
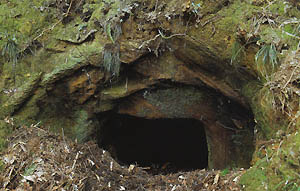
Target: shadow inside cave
{"points": [[168, 144]]}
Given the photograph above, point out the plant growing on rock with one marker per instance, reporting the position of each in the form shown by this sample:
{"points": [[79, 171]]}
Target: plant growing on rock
{"points": [[10, 50], [266, 59], [111, 59]]}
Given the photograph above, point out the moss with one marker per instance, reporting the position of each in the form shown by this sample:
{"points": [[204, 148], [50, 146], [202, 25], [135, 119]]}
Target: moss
{"points": [[226, 22], [29, 112], [77, 31], [255, 178], [5, 130], [74, 124], [83, 128], [25, 19], [21, 95], [278, 169], [116, 91], [278, 7], [268, 119], [99, 14], [224, 172]]}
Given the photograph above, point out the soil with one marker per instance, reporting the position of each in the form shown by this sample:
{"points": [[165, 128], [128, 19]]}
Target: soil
{"points": [[37, 159]]}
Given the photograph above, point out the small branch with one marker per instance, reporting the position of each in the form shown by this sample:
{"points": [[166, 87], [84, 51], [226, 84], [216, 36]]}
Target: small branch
{"points": [[279, 147], [168, 37], [156, 5], [158, 35], [77, 155], [148, 41], [225, 127], [291, 35], [290, 77]]}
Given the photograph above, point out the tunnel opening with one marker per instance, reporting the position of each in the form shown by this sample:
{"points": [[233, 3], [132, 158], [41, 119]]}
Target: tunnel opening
{"points": [[159, 145]]}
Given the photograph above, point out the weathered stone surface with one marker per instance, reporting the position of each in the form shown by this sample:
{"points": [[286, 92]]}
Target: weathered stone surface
{"points": [[172, 65], [215, 111]]}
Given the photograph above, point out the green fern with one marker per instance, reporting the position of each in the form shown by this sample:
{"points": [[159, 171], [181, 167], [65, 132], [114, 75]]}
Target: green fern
{"points": [[266, 59], [10, 50], [109, 33], [113, 31]]}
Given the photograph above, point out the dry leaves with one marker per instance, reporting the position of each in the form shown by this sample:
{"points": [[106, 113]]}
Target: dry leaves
{"points": [[39, 160]]}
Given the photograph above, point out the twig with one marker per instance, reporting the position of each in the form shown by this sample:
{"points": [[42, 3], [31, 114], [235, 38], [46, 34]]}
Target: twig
{"points": [[158, 35], [111, 166], [290, 77], [225, 127], [292, 35], [210, 20], [92, 153], [11, 170], [156, 5], [148, 41], [168, 37], [279, 146], [63, 134], [77, 155]]}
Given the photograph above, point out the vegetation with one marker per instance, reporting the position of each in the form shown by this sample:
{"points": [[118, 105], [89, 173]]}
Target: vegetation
{"points": [[256, 36], [10, 50], [266, 58]]}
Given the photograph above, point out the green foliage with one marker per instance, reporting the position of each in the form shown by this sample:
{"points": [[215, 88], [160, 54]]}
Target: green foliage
{"points": [[10, 39], [224, 172], [83, 128], [266, 59], [113, 32], [21, 22], [10, 48], [108, 32], [30, 170], [278, 168]]}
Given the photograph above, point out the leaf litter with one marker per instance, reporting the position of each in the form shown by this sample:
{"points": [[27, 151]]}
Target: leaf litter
{"points": [[37, 159]]}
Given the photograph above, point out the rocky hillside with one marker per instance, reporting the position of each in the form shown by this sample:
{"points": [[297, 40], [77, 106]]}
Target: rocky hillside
{"points": [[117, 71]]}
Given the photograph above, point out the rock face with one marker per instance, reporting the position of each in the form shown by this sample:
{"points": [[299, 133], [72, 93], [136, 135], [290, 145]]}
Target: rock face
{"points": [[139, 58]]}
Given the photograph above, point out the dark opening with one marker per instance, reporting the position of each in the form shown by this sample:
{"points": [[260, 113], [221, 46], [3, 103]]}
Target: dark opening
{"points": [[170, 145]]}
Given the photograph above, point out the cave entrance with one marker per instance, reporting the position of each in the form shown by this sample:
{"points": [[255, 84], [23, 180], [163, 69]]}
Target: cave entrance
{"points": [[158, 144]]}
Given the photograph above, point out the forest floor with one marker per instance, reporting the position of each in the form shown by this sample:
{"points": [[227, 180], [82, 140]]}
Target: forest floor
{"points": [[37, 159]]}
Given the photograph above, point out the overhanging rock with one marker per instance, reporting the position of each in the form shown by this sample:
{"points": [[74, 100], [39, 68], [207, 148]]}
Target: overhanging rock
{"points": [[228, 125]]}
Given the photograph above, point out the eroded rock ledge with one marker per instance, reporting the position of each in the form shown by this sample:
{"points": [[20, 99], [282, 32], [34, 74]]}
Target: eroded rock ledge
{"points": [[156, 64]]}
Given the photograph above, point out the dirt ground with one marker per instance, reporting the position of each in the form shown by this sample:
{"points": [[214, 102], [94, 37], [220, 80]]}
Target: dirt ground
{"points": [[39, 160]]}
